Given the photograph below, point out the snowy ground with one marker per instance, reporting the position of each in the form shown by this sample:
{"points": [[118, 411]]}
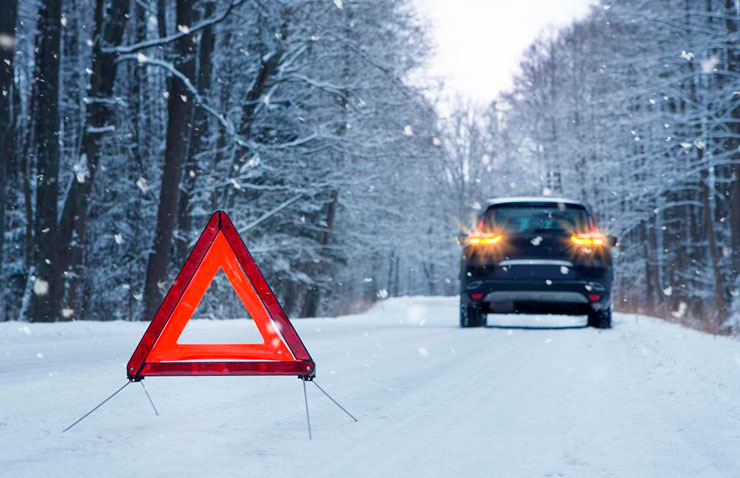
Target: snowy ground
{"points": [[647, 398]]}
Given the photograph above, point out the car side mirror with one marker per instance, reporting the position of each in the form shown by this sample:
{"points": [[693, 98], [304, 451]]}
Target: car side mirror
{"points": [[613, 241]]}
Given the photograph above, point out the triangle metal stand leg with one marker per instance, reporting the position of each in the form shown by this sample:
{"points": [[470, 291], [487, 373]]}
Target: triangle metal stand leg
{"points": [[150, 398], [330, 398], [305, 398], [98, 406]]}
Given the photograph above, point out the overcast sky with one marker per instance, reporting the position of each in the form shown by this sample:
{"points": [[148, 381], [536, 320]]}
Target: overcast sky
{"points": [[479, 42]]}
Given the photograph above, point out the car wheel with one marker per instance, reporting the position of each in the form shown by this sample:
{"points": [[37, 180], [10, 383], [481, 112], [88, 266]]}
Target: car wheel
{"points": [[471, 316], [600, 319]]}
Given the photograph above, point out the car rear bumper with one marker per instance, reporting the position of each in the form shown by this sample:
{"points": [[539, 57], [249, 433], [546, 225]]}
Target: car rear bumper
{"points": [[568, 297], [517, 295]]}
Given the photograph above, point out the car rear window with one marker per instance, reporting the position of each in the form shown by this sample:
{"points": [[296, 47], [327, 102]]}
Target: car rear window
{"points": [[523, 218]]}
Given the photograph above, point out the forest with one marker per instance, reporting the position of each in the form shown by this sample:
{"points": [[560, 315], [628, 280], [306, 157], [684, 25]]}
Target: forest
{"points": [[125, 123]]}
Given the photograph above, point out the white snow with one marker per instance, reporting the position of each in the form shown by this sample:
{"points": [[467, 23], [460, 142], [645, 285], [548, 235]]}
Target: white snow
{"points": [[647, 398]]}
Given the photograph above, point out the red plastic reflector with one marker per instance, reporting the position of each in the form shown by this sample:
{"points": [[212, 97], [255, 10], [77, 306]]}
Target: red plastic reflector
{"points": [[476, 295], [220, 248], [594, 297]]}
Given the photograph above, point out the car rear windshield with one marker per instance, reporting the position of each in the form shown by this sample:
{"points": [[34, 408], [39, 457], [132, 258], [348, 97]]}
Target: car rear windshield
{"points": [[524, 218]]}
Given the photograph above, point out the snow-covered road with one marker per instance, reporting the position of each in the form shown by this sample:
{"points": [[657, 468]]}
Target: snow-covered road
{"points": [[647, 398]]}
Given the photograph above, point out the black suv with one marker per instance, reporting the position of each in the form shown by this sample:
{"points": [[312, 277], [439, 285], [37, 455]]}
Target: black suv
{"points": [[536, 255]]}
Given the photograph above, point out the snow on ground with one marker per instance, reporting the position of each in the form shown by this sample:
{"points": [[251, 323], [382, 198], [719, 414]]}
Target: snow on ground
{"points": [[647, 398]]}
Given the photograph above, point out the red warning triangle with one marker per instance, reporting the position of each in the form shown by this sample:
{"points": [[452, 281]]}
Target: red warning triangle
{"points": [[220, 248]]}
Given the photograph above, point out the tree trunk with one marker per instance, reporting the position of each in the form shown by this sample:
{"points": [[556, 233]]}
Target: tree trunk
{"points": [[162, 18], [711, 237], [7, 123], [649, 286], [99, 116], [198, 134], [732, 144], [313, 294], [269, 64], [46, 80], [179, 111]]}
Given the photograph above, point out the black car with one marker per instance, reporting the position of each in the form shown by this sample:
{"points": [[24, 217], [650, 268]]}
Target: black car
{"points": [[536, 255]]}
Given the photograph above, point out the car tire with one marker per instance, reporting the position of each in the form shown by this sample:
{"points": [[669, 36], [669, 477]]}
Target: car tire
{"points": [[471, 316], [600, 319]]}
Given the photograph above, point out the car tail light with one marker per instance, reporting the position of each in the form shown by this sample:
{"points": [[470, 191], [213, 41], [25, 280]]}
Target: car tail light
{"points": [[476, 295], [484, 239], [590, 239], [594, 297]]}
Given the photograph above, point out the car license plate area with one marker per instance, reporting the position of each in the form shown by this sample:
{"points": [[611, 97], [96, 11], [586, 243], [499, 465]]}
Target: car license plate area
{"points": [[537, 271]]}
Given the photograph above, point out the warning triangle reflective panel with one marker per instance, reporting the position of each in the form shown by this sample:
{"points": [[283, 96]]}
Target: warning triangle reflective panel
{"points": [[220, 248]]}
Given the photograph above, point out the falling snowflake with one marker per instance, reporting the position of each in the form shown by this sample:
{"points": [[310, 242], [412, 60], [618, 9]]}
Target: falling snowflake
{"points": [[687, 55], [254, 161], [408, 130], [536, 241], [118, 238], [183, 29], [564, 270], [383, 294], [709, 65], [668, 291], [7, 41], [40, 286], [143, 184], [680, 312], [338, 3]]}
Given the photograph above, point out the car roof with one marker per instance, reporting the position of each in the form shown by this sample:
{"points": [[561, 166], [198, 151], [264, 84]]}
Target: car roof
{"points": [[526, 199]]}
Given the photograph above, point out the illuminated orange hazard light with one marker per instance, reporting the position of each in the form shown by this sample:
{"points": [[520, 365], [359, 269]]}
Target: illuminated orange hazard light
{"points": [[220, 248], [590, 239], [484, 239]]}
